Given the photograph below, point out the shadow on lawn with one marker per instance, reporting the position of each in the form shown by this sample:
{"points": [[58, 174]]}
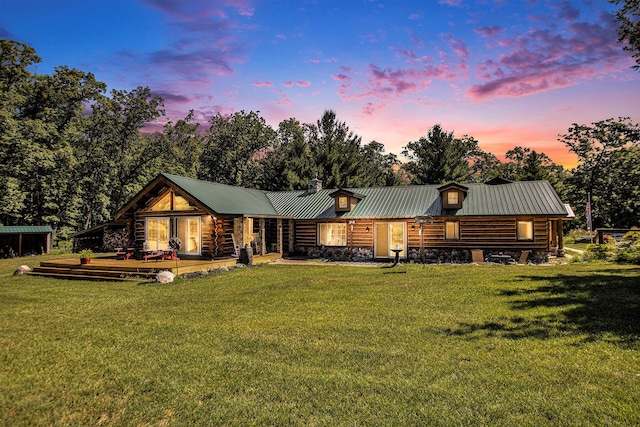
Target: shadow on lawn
{"points": [[602, 305]]}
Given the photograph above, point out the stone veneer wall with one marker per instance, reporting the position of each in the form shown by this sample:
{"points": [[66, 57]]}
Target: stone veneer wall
{"points": [[431, 256]]}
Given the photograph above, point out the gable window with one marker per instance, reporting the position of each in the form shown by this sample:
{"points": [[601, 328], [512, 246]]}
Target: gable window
{"points": [[332, 234], [171, 202], [452, 230], [524, 230], [181, 204], [452, 198], [343, 202], [163, 203]]}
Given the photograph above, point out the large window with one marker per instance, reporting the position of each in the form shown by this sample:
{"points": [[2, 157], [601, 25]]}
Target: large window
{"points": [[452, 230], [157, 230], [332, 234], [525, 230]]}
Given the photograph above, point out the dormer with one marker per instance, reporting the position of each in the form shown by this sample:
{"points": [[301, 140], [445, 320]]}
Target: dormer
{"points": [[452, 195], [345, 200]]}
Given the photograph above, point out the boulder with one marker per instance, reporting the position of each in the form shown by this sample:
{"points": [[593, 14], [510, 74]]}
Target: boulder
{"points": [[165, 277], [21, 270]]}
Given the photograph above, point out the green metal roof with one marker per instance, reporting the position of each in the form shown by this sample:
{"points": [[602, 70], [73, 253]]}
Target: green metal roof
{"points": [[25, 229], [516, 198], [534, 198], [225, 199]]}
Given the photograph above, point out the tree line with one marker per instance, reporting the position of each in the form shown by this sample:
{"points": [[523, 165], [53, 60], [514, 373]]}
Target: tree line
{"points": [[72, 153]]}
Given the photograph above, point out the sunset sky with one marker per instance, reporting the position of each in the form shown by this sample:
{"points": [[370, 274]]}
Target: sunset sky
{"points": [[505, 72]]}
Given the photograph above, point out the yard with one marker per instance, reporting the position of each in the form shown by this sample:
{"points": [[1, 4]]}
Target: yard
{"points": [[325, 345]]}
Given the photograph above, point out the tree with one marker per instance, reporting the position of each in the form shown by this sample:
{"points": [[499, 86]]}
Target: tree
{"points": [[380, 168], [40, 122], [439, 158], [180, 146], [233, 148], [336, 152], [596, 146], [485, 166], [628, 18], [621, 184], [112, 153], [288, 164]]}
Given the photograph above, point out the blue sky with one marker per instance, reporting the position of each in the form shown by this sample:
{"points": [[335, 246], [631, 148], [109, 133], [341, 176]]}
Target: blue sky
{"points": [[506, 72]]}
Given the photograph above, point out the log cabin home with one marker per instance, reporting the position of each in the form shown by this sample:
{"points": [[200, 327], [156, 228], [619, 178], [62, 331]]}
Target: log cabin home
{"points": [[417, 222]]}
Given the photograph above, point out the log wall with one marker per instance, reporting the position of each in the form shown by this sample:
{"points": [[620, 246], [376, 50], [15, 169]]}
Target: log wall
{"points": [[475, 232]]}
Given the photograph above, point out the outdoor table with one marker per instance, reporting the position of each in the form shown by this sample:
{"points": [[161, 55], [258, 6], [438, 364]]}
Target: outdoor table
{"points": [[500, 258]]}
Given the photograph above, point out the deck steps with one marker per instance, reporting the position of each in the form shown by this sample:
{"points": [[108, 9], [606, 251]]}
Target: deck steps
{"points": [[92, 274], [107, 268]]}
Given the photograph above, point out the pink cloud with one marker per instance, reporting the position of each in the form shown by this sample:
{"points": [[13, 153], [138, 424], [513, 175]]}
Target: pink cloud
{"points": [[202, 42], [284, 100], [263, 84], [459, 47], [303, 83], [287, 84], [314, 60], [340, 77], [490, 31], [544, 59], [369, 109]]}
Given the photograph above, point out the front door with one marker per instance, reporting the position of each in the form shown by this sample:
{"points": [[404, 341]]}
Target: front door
{"points": [[188, 231], [389, 236]]}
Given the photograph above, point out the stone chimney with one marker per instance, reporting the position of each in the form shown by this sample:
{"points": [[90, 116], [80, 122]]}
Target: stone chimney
{"points": [[315, 185]]}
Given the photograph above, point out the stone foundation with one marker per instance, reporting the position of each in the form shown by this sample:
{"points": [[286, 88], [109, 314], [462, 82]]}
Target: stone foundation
{"points": [[431, 256]]}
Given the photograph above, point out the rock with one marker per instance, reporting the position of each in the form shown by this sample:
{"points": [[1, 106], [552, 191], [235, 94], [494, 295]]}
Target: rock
{"points": [[21, 270], [165, 277]]}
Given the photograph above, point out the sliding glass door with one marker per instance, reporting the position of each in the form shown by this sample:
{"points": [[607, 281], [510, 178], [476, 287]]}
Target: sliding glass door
{"points": [[188, 231]]}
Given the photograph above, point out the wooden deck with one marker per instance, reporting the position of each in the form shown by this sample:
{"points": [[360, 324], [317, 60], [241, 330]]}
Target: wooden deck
{"points": [[109, 268]]}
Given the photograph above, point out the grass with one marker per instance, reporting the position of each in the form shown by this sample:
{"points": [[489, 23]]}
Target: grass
{"points": [[325, 345], [580, 246]]}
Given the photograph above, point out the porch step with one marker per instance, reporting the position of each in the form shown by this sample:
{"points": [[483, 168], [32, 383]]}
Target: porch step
{"points": [[92, 274], [148, 267]]}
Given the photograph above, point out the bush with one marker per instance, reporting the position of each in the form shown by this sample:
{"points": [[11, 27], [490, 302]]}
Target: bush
{"points": [[625, 251], [630, 249], [607, 251]]}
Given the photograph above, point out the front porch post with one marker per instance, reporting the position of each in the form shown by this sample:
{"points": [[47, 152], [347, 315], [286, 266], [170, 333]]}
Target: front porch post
{"points": [[291, 236], [238, 232], [279, 237], [263, 235], [560, 237], [554, 235]]}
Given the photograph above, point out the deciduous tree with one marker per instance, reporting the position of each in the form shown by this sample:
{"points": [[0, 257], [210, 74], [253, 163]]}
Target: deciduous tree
{"points": [[233, 148], [628, 17]]}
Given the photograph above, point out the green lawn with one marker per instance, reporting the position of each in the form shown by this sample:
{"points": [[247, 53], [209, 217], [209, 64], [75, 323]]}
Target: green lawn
{"points": [[325, 345]]}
